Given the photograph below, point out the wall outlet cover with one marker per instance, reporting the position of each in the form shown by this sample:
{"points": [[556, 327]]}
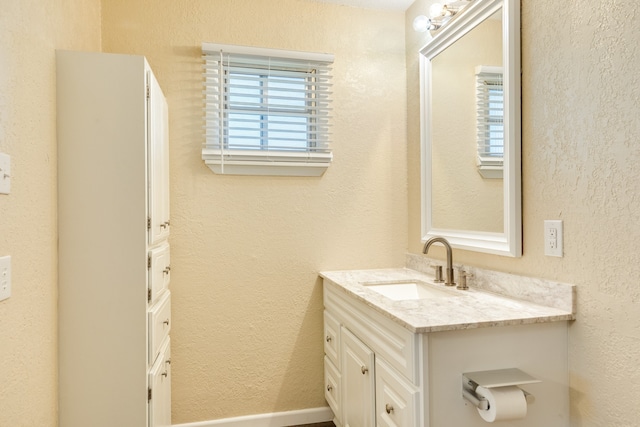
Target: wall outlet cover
{"points": [[5, 277]]}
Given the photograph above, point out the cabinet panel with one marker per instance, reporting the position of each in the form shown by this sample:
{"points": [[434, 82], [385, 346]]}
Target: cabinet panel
{"points": [[159, 325], [397, 401], [332, 339], [160, 389], [332, 388], [159, 270], [158, 161], [357, 381]]}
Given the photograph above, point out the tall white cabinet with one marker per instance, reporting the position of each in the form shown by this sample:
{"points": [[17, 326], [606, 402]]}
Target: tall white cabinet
{"points": [[114, 257]]}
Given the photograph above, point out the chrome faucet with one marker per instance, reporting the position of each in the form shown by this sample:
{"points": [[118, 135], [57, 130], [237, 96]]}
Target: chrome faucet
{"points": [[449, 274]]}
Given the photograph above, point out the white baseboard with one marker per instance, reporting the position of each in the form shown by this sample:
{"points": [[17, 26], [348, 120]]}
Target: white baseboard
{"points": [[278, 419]]}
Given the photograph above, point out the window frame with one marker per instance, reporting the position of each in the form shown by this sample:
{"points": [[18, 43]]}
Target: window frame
{"points": [[489, 165], [224, 153]]}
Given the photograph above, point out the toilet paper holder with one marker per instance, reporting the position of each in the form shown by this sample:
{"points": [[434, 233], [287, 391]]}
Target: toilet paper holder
{"points": [[496, 378]]}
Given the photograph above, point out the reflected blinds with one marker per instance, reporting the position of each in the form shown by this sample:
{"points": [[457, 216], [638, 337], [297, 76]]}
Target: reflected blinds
{"points": [[490, 112]]}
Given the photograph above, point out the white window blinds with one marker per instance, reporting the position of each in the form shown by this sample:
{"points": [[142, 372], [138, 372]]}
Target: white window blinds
{"points": [[267, 111], [490, 121]]}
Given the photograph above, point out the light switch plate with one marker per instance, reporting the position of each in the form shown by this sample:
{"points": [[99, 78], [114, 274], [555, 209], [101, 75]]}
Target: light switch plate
{"points": [[5, 173], [5, 277], [553, 238]]}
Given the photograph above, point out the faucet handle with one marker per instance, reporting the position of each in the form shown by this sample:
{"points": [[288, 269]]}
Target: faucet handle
{"points": [[438, 273], [462, 279]]}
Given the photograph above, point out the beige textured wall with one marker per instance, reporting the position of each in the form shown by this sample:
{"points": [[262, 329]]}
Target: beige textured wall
{"points": [[247, 304], [580, 140], [30, 32]]}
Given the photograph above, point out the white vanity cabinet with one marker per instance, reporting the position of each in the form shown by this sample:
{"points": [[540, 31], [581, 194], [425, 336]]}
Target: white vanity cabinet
{"points": [[380, 373], [374, 377], [114, 260]]}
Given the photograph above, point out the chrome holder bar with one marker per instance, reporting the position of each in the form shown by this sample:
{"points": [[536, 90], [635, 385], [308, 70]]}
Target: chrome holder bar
{"points": [[491, 379]]}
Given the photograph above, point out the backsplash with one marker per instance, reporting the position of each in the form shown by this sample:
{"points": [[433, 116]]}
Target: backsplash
{"points": [[538, 291]]}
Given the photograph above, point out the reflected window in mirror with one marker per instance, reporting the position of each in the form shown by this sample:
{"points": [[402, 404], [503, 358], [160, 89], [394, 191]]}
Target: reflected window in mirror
{"points": [[490, 121]]}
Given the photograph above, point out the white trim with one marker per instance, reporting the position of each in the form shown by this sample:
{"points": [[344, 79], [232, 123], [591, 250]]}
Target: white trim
{"points": [[277, 419], [260, 51]]}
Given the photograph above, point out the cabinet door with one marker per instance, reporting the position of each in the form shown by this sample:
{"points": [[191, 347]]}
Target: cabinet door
{"points": [[160, 387], [358, 392], [158, 161], [397, 400]]}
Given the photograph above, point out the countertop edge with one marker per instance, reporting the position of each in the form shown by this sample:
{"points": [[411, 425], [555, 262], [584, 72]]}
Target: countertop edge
{"points": [[347, 282]]}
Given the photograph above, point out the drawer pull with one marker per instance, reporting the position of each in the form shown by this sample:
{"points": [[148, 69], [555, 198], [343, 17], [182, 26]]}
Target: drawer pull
{"points": [[364, 370], [388, 408], [168, 361], [165, 374], [328, 339], [166, 322], [166, 270], [329, 388]]}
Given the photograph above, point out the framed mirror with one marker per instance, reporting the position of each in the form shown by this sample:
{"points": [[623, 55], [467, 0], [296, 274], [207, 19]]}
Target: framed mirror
{"points": [[471, 130]]}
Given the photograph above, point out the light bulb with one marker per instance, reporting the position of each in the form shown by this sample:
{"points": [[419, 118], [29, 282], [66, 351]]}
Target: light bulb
{"points": [[436, 10], [421, 23]]}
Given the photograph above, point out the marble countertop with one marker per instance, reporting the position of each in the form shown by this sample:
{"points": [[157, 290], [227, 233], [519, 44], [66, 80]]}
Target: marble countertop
{"points": [[464, 309]]}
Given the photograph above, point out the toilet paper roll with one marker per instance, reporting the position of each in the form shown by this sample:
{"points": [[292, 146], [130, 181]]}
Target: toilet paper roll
{"points": [[505, 403]]}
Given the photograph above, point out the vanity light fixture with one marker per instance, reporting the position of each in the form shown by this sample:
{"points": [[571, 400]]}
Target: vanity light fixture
{"points": [[439, 14]]}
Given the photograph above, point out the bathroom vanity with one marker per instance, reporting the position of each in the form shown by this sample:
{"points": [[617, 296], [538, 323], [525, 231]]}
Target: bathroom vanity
{"points": [[397, 358]]}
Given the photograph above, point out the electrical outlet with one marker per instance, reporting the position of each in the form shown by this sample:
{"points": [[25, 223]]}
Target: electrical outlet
{"points": [[5, 173], [553, 238], [5, 277]]}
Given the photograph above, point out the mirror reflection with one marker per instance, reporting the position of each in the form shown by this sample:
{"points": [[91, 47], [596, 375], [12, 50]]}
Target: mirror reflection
{"points": [[466, 131]]}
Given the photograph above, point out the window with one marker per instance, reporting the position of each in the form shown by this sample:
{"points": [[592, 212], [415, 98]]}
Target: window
{"points": [[490, 118], [266, 111]]}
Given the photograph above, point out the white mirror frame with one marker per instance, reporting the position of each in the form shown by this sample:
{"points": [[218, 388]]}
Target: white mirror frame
{"points": [[509, 242]]}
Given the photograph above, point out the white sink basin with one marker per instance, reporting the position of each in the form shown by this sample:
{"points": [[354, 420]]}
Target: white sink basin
{"points": [[408, 290]]}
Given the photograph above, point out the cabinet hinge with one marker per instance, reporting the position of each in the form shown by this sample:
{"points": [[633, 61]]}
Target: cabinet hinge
{"points": [[148, 91], [149, 394], [148, 223], [148, 295], [148, 262]]}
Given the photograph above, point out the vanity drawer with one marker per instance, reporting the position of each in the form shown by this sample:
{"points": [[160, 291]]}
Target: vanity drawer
{"points": [[332, 338], [332, 387], [159, 324], [159, 271], [397, 401], [397, 345]]}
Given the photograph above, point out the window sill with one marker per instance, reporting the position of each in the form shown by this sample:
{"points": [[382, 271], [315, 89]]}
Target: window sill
{"points": [[490, 168], [285, 164]]}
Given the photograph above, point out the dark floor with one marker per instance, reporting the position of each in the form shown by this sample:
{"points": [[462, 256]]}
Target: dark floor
{"points": [[327, 424]]}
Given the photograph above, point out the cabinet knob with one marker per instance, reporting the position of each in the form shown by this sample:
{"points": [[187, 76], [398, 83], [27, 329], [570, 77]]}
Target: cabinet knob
{"points": [[388, 408], [364, 370], [328, 339], [329, 388], [166, 270], [165, 374], [166, 322]]}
